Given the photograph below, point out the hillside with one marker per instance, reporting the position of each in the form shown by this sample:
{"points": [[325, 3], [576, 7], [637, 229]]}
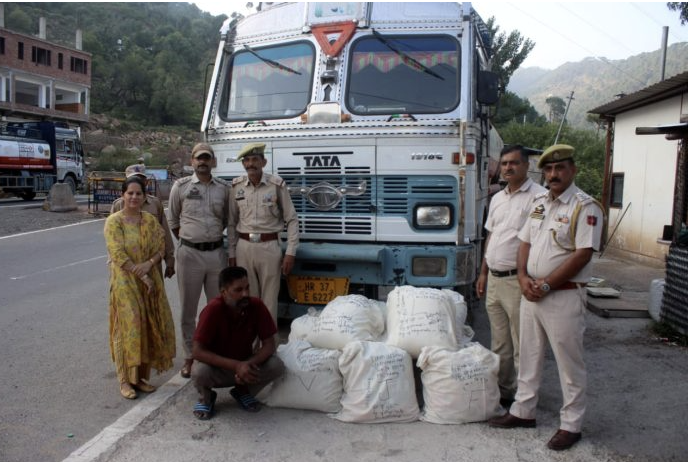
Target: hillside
{"points": [[594, 81]]}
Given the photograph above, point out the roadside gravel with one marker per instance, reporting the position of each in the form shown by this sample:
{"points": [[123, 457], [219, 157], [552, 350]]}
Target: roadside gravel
{"points": [[22, 219]]}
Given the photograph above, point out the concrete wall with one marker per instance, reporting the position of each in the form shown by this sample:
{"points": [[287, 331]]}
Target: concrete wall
{"points": [[649, 166]]}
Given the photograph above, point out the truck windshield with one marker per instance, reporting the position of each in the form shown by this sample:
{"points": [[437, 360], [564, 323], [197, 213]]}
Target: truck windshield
{"points": [[411, 74], [268, 83]]}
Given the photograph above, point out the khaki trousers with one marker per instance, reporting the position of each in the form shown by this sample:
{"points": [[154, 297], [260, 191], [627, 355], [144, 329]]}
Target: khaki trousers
{"points": [[196, 270], [206, 377], [560, 319], [503, 306], [263, 262]]}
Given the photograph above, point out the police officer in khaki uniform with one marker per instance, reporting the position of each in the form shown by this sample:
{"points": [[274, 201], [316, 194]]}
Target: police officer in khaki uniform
{"points": [[153, 206], [563, 230], [509, 209], [260, 206], [199, 213]]}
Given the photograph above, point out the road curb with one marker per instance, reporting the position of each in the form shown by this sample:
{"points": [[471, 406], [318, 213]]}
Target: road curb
{"points": [[106, 440]]}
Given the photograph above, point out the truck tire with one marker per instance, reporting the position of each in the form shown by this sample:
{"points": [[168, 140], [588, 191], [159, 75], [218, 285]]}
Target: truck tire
{"points": [[27, 195], [72, 184]]}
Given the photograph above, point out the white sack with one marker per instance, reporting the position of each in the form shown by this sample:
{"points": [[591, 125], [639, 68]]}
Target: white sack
{"points": [[419, 317], [378, 384], [460, 309], [346, 319], [304, 325], [311, 379], [459, 386]]}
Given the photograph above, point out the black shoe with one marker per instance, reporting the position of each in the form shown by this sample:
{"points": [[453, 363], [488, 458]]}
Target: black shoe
{"points": [[563, 439], [510, 421]]}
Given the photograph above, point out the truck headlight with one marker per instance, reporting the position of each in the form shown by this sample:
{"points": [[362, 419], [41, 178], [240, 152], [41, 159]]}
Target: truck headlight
{"points": [[429, 266], [432, 216]]}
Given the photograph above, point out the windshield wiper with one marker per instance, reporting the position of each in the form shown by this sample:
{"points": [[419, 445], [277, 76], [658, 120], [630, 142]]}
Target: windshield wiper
{"points": [[407, 59], [270, 62]]}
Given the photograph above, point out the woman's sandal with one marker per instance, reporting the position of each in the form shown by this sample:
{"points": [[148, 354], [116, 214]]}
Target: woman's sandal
{"points": [[204, 411], [246, 401], [144, 386], [127, 391]]}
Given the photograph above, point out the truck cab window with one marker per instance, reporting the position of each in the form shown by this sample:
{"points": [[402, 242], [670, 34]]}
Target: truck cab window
{"points": [[413, 74], [268, 83]]}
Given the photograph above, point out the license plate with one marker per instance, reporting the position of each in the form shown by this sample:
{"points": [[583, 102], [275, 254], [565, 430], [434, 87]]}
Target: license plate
{"points": [[313, 290]]}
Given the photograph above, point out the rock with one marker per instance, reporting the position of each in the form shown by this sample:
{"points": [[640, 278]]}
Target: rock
{"points": [[60, 199]]}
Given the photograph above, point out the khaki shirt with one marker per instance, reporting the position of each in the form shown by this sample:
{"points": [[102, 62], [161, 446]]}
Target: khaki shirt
{"points": [[548, 230], [508, 212], [199, 210], [262, 209], [153, 206]]}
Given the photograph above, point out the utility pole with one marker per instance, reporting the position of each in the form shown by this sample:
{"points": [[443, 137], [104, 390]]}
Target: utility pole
{"points": [[566, 111]]}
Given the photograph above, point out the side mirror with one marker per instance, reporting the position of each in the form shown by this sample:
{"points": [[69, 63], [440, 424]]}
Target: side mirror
{"points": [[488, 88]]}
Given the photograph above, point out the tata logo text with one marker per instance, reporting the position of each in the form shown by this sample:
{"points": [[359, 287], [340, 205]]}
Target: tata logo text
{"points": [[426, 156], [322, 161]]}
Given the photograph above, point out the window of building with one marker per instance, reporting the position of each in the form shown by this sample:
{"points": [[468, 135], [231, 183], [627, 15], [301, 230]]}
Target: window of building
{"points": [[78, 65], [616, 197], [20, 50], [40, 56], [2, 45], [60, 59]]}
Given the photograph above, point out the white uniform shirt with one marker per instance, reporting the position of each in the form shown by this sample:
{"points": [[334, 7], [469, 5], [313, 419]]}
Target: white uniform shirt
{"points": [[508, 212], [548, 230]]}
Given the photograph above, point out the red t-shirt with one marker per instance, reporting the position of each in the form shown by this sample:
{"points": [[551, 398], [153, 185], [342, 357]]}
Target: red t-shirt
{"points": [[231, 334]]}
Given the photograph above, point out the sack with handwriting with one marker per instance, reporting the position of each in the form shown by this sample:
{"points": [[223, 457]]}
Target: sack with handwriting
{"points": [[459, 386], [311, 379], [346, 319], [419, 317], [304, 325], [378, 384]]}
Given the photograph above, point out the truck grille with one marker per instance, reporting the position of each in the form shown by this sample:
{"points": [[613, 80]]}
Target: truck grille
{"points": [[355, 215]]}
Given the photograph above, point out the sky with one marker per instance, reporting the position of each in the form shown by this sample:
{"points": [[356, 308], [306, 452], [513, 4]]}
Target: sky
{"points": [[564, 31]]}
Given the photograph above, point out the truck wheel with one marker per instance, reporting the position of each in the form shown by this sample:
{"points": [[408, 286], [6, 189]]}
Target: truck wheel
{"points": [[72, 184], [27, 195]]}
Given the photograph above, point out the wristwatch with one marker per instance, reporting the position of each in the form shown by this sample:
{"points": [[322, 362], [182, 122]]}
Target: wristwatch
{"points": [[545, 287]]}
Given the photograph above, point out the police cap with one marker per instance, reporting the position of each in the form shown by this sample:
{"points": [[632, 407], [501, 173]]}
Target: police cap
{"points": [[136, 169], [202, 148], [253, 149], [555, 153]]}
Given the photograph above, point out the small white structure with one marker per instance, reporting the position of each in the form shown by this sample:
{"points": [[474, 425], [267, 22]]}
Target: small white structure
{"points": [[640, 178]]}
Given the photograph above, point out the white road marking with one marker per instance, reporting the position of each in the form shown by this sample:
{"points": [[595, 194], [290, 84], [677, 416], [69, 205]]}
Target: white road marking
{"points": [[15, 278], [51, 229]]}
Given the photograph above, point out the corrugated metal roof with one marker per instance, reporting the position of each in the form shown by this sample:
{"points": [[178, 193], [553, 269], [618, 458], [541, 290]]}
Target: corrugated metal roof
{"points": [[662, 90]]}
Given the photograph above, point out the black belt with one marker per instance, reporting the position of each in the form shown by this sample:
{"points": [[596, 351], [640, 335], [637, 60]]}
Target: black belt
{"points": [[503, 274], [259, 237], [204, 246]]}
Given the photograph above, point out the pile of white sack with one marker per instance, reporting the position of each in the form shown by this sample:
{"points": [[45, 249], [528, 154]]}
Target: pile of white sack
{"points": [[354, 360]]}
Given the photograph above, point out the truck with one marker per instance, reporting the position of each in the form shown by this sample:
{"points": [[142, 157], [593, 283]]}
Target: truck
{"points": [[377, 116], [34, 155]]}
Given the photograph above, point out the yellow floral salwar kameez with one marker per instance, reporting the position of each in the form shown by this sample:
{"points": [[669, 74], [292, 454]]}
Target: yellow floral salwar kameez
{"points": [[141, 327]]}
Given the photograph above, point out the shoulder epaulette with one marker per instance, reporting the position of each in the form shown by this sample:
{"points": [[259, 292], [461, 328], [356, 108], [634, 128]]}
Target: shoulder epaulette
{"points": [[540, 195], [184, 180], [584, 198], [238, 179], [274, 179], [221, 181]]}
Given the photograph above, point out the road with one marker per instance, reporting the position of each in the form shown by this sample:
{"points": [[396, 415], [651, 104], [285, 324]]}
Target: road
{"points": [[15, 202], [58, 386]]}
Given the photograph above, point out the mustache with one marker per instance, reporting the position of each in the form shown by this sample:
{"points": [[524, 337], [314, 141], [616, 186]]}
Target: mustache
{"points": [[243, 302]]}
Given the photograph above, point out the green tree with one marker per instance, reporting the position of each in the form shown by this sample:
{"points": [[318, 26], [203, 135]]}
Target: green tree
{"points": [[508, 51], [511, 107], [682, 8], [20, 21], [589, 149], [557, 107]]}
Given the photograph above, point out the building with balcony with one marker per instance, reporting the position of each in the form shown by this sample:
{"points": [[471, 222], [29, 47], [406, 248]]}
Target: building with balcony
{"points": [[43, 80]]}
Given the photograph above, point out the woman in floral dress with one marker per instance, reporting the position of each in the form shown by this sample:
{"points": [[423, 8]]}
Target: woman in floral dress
{"points": [[141, 328]]}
